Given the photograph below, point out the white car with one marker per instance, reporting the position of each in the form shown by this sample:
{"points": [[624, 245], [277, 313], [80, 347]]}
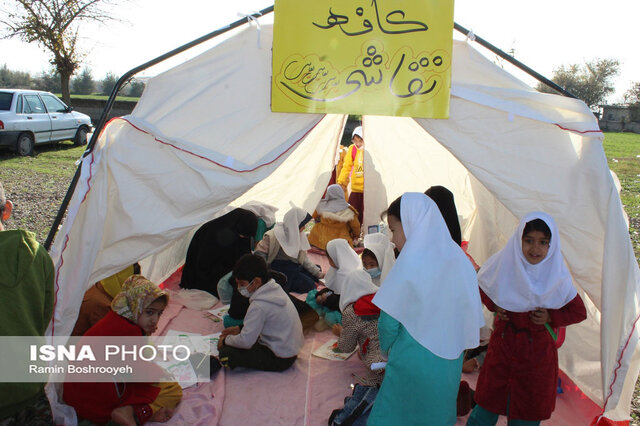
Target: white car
{"points": [[30, 117]]}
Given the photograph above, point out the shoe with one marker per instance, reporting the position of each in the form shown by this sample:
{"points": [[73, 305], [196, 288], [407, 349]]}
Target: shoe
{"points": [[309, 319], [464, 400]]}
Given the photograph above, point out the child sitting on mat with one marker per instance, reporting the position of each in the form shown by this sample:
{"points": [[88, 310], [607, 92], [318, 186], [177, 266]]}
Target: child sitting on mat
{"points": [[135, 311], [335, 218], [359, 316], [285, 250], [378, 256], [271, 335]]}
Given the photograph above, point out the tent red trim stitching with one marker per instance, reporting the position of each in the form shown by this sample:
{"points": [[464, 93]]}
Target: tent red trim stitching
{"points": [[578, 131], [215, 162], [66, 242], [615, 372]]}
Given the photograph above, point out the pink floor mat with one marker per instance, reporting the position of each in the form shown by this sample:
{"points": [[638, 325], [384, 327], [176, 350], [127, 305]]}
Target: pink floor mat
{"points": [[304, 394], [307, 393]]}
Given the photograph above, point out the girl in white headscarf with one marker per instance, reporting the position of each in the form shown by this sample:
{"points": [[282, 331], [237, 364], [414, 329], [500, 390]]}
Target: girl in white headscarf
{"points": [[531, 291], [285, 250], [378, 256], [359, 315], [431, 313], [342, 260], [335, 218]]}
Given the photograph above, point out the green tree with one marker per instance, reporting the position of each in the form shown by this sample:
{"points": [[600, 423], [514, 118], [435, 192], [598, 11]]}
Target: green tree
{"points": [[108, 83], [14, 79], [632, 96], [54, 25], [592, 81], [48, 81], [83, 84], [135, 89]]}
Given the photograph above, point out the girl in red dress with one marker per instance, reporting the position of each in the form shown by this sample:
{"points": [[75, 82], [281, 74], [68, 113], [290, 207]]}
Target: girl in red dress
{"points": [[530, 290]]}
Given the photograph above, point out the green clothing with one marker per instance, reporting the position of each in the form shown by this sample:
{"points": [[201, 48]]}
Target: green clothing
{"points": [[26, 305], [481, 417], [262, 228], [419, 388]]}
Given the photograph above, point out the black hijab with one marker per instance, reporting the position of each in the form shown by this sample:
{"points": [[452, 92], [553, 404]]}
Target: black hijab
{"points": [[215, 248], [444, 200]]}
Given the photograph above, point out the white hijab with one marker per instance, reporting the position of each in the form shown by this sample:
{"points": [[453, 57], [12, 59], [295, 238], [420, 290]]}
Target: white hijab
{"points": [[349, 280], [357, 284], [432, 288], [514, 284], [382, 248], [288, 233], [333, 200], [263, 211]]}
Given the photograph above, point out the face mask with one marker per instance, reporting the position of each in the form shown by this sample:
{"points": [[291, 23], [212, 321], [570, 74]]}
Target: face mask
{"points": [[374, 272], [245, 291]]}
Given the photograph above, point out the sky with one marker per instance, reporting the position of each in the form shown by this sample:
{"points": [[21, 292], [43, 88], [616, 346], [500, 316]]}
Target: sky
{"points": [[543, 34]]}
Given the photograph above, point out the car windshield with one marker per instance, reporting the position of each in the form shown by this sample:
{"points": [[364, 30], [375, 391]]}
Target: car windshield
{"points": [[5, 101]]}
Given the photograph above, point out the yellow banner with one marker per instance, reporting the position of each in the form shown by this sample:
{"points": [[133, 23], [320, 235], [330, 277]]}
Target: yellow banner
{"points": [[379, 57]]}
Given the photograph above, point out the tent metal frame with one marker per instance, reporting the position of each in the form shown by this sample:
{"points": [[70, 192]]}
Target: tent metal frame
{"points": [[129, 74]]}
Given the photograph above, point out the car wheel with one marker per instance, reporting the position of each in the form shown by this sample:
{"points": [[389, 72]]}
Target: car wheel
{"points": [[81, 137], [24, 146]]}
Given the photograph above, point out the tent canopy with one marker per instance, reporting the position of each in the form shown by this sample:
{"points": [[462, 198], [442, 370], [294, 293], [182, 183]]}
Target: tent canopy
{"points": [[203, 137]]}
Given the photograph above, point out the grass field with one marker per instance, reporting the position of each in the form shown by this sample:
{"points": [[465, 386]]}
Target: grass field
{"points": [[101, 97], [37, 185], [623, 155]]}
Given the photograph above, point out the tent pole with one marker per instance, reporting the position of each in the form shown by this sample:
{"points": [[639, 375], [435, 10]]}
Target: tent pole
{"points": [[515, 62], [112, 98]]}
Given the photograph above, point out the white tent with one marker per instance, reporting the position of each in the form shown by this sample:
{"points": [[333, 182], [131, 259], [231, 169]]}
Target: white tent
{"points": [[203, 137]]}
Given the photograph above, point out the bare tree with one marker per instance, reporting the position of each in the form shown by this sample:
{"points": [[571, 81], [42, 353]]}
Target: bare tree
{"points": [[53, 24]]}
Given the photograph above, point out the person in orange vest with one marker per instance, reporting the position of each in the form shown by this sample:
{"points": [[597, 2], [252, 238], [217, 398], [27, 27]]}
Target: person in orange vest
{"points": [[353, 169]]}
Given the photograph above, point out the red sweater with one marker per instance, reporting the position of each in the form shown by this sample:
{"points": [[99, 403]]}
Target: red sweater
{"points": [[521, 365], [95, 401]]}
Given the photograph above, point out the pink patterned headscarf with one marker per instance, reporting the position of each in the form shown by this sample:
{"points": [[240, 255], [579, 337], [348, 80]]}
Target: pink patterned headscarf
{"points": [[137, 294]]}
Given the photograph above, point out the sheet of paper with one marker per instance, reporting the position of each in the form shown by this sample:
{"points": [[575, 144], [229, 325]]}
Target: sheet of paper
{"points": [[211, 340], [326, 351], [219, 312], [197, 343], [183, 372], [191, 340]]}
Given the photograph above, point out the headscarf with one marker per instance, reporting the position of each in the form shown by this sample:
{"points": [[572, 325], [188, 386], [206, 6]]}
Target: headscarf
{"points": [[382, 248], [288, 233], [447, 206], [349, 280], [518, 286], [246, 222], [113, 284], [263, 211], [432, 288], [333, 200], [136, 295], [216, 247]]}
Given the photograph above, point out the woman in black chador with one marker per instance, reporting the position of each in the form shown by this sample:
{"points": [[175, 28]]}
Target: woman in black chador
{"points": [[215, 248]]}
